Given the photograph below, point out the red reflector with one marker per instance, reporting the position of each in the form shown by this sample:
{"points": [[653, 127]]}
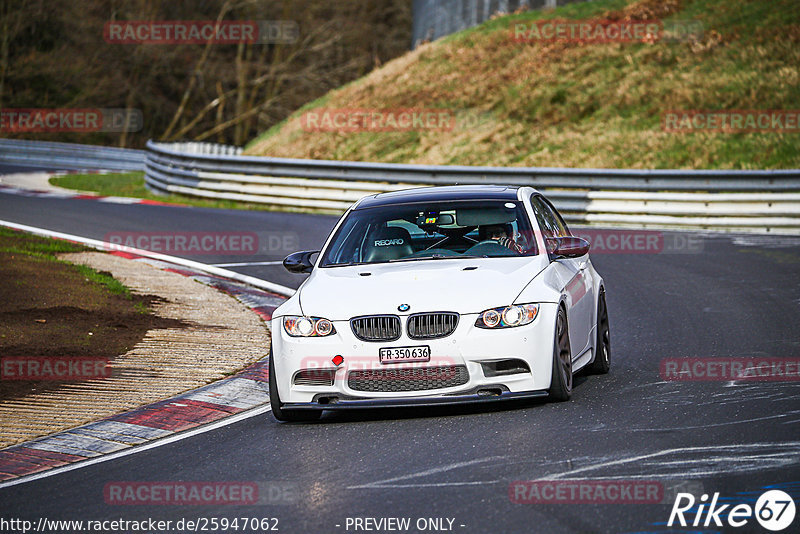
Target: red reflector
{"points": [[337, 360]]}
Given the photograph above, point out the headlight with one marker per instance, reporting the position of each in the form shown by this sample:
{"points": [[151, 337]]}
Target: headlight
{"points": [[508, 316], [307, 326]]}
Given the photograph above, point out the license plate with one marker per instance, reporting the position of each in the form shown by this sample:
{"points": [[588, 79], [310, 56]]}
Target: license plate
{"points": [[404, 354]]}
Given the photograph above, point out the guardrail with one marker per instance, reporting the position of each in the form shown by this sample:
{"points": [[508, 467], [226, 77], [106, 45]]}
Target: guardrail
{"points": [[761, 201], [69, 156], [436, 18]]}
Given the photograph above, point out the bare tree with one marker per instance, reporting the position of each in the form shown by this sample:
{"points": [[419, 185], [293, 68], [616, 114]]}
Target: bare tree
{"points": [[53, 54]]}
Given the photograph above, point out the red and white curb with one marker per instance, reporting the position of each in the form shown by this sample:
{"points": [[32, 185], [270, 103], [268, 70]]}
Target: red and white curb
{"points": [[161, 420], [259, 300], [14, 190]]}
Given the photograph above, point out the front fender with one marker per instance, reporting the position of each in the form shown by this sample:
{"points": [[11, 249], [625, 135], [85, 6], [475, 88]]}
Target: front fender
{"points": [[289, 307], [547, 286]]}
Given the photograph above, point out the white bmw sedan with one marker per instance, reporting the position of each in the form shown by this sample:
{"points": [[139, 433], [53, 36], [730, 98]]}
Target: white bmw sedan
{"points": [[439, 295]]}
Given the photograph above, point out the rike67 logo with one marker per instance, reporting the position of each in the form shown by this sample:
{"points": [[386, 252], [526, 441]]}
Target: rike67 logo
{"points": [[774, 510]]}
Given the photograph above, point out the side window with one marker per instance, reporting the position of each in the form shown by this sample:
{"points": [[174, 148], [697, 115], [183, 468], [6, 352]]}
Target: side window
{"points": [[557, 216], [549, 221]]}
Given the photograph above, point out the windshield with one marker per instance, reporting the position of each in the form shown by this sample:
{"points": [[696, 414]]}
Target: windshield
{"points": [[432, 231]]}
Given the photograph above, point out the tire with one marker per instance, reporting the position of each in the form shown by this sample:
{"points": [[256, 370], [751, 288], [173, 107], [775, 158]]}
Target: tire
{"points": [[602, 359], [277, 406], [561, 376]]}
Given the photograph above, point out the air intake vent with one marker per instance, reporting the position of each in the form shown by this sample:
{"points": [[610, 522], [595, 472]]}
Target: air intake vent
{"points": [[431, 325], [504, 367], [412, 379], [376, 327], [314, 377]]}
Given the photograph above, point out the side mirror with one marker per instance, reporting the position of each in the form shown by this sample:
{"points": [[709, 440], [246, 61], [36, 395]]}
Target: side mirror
{"points": [[567, 247], [300, 262]]}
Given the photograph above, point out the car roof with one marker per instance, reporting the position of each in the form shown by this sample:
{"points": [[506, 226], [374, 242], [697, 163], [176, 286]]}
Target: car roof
{"points": [[442, 193]]}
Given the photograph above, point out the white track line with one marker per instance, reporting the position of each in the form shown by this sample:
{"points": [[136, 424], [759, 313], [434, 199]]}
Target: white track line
{"points": [[732, 449], [247, 264], [140, 448], [110, 247], [102, 245]]}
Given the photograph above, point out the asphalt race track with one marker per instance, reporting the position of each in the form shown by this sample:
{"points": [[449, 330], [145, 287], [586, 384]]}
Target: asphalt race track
{"points": [[279, 233], [737, 297]]}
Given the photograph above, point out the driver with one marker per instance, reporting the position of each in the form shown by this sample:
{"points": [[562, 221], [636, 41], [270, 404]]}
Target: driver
{"points": [[500, 234]]}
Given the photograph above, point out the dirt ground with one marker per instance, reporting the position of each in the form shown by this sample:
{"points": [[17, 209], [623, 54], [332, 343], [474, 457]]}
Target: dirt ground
{"points": [[50, 308]]}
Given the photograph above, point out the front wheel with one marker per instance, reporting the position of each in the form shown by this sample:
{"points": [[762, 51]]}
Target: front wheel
{"points": [[602, 359], [278, 411], [561, 376]]}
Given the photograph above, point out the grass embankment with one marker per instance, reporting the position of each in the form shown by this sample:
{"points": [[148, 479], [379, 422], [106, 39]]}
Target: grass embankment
{"points": [[131, 184], [569, 104], [52, 308]]}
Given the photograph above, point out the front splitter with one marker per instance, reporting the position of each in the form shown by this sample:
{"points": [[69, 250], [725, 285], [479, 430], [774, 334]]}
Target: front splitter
{"points": [[355, 404]]}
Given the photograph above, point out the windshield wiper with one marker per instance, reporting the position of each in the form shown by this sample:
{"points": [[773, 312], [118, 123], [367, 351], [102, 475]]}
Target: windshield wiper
{"points": [[436, 257], [347, 264], [398, 260]]}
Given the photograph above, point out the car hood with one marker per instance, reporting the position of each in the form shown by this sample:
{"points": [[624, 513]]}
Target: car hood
{"points": [[464, 286]]}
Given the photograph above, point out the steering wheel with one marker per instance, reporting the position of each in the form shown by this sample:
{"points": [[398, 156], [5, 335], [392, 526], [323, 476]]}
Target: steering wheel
{"points": [[491, 244]]}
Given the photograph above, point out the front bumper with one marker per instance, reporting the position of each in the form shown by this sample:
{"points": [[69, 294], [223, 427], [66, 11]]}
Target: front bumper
{"points": [[403, 402], [468, 346]]}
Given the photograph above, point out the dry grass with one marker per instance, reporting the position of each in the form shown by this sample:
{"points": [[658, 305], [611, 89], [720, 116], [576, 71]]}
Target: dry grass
{"points": [[577, 104]]}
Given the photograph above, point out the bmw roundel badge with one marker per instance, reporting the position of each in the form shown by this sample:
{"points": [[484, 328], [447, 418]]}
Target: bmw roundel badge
{"points": [[403, 307]]}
